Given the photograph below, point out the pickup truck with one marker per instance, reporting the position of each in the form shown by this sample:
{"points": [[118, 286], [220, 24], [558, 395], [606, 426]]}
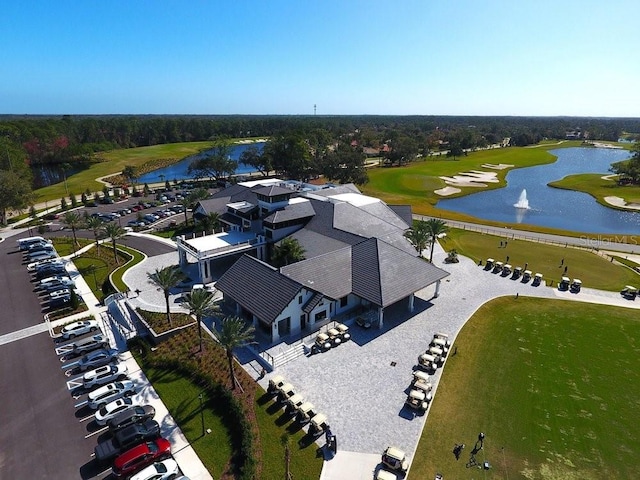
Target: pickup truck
{"points": [[126, 438]]}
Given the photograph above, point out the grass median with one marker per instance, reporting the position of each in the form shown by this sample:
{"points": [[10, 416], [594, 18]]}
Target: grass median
{"points": [[554, 385]]}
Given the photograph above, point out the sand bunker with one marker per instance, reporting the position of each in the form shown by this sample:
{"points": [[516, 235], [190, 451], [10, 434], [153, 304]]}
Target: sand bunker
{"points": [[499, 166], [447, 191], [621, 202], [475, 178]]}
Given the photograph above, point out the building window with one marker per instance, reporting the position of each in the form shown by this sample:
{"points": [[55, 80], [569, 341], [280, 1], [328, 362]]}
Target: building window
{"points": [[343, 301], [300, 300]]}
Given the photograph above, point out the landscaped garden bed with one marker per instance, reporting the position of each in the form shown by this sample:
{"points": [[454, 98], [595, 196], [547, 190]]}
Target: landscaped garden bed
{"points": [[246, 413]]}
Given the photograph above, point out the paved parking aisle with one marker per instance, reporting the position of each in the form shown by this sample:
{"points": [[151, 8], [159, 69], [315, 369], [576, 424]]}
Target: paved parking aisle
{"points": [[40, 435]]}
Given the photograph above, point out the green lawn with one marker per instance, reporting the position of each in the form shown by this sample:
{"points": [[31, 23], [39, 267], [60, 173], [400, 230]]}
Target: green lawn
{"points": [[599, 188], [554, 385], [135, 258], [108, 163], [594, 271], [181, 399]]}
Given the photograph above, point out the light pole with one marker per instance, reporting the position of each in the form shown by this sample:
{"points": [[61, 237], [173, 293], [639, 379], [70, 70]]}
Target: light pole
{"points": [[201, 412]]}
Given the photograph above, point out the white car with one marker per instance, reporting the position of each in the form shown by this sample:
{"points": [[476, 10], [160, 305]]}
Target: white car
{"points": [[80, 327], [159, 471], [102, 375], [110, 393], [54, 261], [58, 279], [111, 409]]}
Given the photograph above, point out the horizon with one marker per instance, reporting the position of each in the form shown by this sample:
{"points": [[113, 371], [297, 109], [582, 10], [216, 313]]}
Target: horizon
{"points": [[374, 58]]}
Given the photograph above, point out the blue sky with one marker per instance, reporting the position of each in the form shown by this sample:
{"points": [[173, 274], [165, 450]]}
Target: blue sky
{"points": [[405, 57]]}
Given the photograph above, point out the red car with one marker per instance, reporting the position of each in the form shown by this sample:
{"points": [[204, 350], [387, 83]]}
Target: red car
{"points": [[141, 456]]}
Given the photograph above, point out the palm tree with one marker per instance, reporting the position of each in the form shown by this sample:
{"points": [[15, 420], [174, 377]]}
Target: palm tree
{"points": [[289, 251], [73, 220], [114, 232], [210, 222], [435, 227], [418, 235], [166, 279], [95, 225], [234, 333], [192, 199], [201, 304]]}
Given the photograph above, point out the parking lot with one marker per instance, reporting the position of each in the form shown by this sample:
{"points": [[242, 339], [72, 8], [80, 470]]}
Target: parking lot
{"points": [[47, 384]]}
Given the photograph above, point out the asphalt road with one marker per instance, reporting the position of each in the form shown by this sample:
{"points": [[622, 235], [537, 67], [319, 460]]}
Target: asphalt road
{"points": [[40, 435]]}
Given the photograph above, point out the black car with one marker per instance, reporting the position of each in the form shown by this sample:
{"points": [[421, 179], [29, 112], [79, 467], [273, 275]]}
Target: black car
{"points": [[59, 302], [50, 271], [131, 416], [126, 438]]}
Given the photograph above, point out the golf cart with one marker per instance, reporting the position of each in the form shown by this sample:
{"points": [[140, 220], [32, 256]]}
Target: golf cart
{"points": [[526, 276], [489, 264], [517, 273], [285, 392], [334, 336], [344, 331], [440, 344], [537, 279], [305, 412], [564, 283], [363, 322], [275, 383], [506, 270], [318, 424], [427, 362], [395, 459], [323, 342], [497, 267], [438, 353], [576, 285], [629, 292], [443, 336], [418, 400]]}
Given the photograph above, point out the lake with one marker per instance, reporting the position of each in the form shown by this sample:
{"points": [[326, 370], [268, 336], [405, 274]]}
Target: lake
{"points": [[179, 170], [552, 207]]}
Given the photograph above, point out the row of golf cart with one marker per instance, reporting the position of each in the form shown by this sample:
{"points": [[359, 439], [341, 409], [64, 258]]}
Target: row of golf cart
{"points": [[420, 394], [296, 406], [331, 338], [573, 286], [506, 270]]}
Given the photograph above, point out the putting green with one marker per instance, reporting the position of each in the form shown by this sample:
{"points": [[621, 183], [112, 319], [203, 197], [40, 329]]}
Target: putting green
{"points": [[554, 385]]}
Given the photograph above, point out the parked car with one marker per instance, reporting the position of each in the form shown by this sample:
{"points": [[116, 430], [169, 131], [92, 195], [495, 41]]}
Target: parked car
{"points": [[97, 358], [126, 439], [33, 266], [64, 293], [58, 290], [113, 408], [164, 470], [141, 456], [109, 393], [105, 374], [49, 270], [89, 344], [59, 302], [59, 284], [57, 279], [78, 328], [136, 414], [42, 255], [23, 243]]}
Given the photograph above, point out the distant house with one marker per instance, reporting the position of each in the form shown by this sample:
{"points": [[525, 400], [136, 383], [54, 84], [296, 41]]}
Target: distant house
{"points": [[357, 257], [575, 134]]}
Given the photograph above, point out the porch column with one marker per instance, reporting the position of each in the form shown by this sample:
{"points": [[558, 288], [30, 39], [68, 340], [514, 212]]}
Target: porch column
{"points": [[411, 301], [275, 336], [437, 294], [182, 257], [380, 317]]}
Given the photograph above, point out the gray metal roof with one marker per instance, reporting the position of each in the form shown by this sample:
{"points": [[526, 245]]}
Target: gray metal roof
{"points": [[315, 243], [273, 191], [294, 211], [384, 274], [258, 287], [329, 274]]}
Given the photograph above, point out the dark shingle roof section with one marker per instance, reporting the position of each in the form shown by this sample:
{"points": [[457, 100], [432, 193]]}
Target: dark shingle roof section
{"points": [[313, 301], [384, 274], [258, 287], [294, 211], [273, 191], [404, 212], [329, 274], [315, 243]]}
